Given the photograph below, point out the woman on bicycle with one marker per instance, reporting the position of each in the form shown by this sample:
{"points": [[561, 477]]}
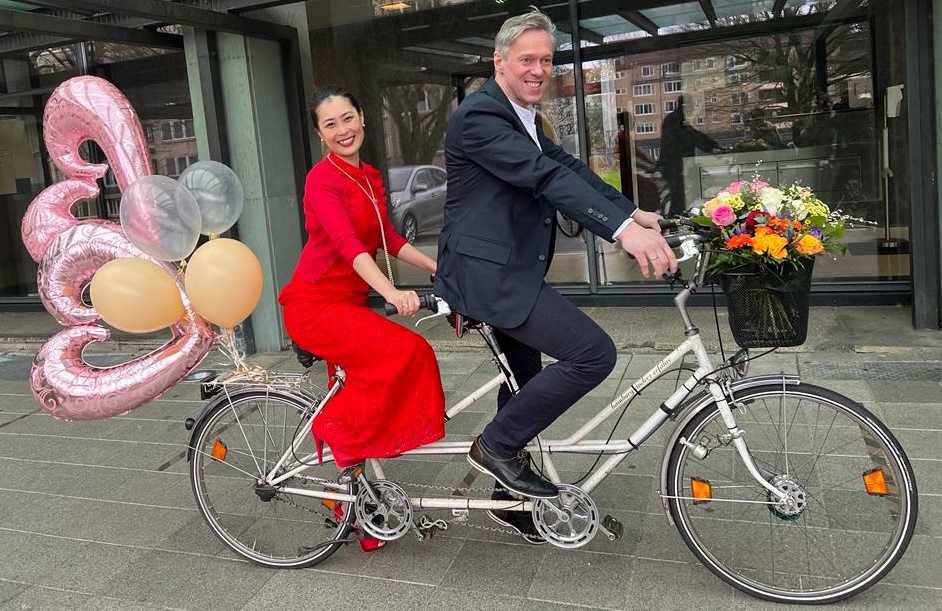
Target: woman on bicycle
{"points": [[392, 400]]}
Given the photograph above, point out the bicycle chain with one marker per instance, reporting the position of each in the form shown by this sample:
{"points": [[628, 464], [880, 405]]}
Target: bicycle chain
{"points": [[461, 520]]}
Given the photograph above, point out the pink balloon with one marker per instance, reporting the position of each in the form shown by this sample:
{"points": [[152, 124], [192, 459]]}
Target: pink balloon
{"points": [[68, 388], [50, 213], [90, 108], [70, 251], [70, 263]]}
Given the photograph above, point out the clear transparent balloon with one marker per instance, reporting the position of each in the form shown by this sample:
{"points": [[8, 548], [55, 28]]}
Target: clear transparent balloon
{"points": [[218, 194], [161, 217]]}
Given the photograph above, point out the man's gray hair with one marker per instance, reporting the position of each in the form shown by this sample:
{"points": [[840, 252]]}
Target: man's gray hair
{"points": [[517, 25]]}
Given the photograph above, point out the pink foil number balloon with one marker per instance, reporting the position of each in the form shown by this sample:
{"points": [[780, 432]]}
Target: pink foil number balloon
{"points": [[69, 252], [90, 108]]}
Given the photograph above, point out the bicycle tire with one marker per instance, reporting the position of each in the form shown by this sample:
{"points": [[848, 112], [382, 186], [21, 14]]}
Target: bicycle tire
{"points": [[264, 524], [842, 541]]}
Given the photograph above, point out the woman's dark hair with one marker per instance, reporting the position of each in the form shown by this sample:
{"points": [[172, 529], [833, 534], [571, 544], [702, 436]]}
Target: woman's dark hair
{"points": [[329, 91]]}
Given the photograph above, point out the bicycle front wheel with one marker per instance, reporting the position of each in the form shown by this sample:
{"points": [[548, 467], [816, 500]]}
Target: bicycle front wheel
{"points": [[854, 494], [236, 446]]}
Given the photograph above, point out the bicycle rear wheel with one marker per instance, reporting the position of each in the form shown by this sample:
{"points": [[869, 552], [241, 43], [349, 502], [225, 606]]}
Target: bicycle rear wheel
{"points": [[838, 539], [235, 446]]}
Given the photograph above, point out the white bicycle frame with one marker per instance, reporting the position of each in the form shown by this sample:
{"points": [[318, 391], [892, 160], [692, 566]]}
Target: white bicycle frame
{"points": [[718, 389]]}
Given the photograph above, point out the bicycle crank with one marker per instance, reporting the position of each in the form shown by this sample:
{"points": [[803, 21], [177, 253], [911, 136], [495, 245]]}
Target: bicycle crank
{"points": [[570, 520], [383, 510]]}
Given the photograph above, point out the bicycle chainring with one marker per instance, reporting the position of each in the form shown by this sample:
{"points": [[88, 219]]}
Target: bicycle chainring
{"points": [[388, 519], [570, 520]]}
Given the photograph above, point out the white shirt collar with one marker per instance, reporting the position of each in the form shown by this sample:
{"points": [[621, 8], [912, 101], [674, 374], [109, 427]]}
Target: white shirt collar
{"points": [[528, 118]]}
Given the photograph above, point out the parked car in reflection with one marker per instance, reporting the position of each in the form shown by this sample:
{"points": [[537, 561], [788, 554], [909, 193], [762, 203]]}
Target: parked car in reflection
{"points": [[416, 199]]}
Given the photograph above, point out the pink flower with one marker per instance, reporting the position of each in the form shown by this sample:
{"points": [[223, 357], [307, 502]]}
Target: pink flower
{"points": [[735, 187], [723, 215]]}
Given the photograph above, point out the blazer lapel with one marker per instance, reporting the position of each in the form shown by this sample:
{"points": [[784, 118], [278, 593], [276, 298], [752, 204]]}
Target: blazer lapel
{"points": [[493, 89]]}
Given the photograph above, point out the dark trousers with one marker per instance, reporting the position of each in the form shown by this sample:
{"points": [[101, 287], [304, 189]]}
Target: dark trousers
{"points": [[584, 355]]}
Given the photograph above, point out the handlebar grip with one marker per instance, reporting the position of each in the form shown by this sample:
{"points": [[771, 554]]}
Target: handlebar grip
{"points": [[665, 224], [426, 302]]}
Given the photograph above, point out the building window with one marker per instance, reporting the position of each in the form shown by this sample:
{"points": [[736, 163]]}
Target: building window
{"points": [[647, 71], [642, 90], [177, 130], [698, 64], [670, 105], [738, 99], [670, 69], [644, 109], [644, 128], [673, 86], [176, 165], [735, 118], [710, 63], [619, 74]]}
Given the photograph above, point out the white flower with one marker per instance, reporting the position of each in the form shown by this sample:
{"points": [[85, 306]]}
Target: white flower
{"points": [[799, 211], [771, 199]]}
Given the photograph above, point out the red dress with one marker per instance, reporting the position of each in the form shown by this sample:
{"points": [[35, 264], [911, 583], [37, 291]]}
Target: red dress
{"points": [[392, 400]]}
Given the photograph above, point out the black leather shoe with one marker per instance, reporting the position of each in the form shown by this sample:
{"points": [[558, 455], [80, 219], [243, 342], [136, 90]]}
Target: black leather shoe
{"points": [[513, 473], [520, 521]]}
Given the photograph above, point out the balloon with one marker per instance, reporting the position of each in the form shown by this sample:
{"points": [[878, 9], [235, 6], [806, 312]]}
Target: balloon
{"points": [[68, 388], [70, 262], [136, 296], [160, 216], [70, 251], [50, 213], [224, 281], [218, 194], [90, 108]]}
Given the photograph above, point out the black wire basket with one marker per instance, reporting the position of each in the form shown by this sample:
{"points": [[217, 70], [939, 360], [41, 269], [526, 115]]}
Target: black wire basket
{"points": [[768, 305]]}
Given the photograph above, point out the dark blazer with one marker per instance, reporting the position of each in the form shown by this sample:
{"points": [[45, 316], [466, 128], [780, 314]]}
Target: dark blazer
{"points": [[498, 234]]}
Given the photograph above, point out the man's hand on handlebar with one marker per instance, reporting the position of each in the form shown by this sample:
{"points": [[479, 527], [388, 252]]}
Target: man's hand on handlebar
{"points": [[646, 244]]}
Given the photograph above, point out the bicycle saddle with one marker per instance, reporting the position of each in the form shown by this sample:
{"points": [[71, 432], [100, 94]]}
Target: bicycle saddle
{"points": [[304, 357]]}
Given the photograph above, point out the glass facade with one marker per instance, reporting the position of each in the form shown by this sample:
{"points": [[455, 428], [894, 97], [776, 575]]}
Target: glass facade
{"points": [[667, 101], [153, 80], [672, 103]]}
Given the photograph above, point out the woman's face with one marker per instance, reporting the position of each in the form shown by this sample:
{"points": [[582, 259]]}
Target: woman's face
{"points": [[341, 127]]}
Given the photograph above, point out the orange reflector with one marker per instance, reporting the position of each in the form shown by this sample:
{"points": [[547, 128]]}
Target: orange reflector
{"points": [[701, 489], [875, 482], [219, 450], [329, 503]]}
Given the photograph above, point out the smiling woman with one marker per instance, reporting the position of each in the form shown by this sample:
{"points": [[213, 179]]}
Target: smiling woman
{"points": [[325, 303]]}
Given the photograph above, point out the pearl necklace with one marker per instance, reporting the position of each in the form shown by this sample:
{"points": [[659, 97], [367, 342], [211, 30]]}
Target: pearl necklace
{"points": [[372, 197]]}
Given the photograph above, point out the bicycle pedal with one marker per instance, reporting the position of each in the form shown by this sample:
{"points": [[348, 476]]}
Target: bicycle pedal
{"points": [[612, 528]]}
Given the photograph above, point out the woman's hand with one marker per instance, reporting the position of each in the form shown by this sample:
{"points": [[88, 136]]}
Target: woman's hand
{"points": [[406, 302]]}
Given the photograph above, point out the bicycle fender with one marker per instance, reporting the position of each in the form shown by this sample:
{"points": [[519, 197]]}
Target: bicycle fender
{"points": [[703, 400]]}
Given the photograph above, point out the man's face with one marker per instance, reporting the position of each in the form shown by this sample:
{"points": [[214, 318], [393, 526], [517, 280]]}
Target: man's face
{"points": [[524, 73]]}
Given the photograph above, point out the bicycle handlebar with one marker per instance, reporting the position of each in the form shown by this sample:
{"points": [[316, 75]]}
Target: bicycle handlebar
{"points": [[427, 301]]}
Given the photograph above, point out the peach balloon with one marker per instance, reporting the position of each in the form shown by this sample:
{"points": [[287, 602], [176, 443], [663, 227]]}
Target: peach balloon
{"points": [[223, 281], [136, 296]]}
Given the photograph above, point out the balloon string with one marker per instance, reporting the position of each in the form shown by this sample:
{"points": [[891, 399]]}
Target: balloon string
{"points": [[230, 347]]}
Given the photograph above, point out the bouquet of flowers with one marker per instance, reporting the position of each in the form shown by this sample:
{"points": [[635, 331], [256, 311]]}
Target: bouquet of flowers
{"points": [[775, 226], [766, 241]]}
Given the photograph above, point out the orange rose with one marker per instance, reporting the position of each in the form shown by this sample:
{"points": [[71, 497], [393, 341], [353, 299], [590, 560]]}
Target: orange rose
{"points": [[770, 244], [809, 245]]}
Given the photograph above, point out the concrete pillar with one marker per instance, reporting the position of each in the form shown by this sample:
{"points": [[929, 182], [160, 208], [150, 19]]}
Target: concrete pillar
{"points": [[256, 138]]}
